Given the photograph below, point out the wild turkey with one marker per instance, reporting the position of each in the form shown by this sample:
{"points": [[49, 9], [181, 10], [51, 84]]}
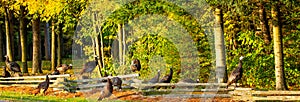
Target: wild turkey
{"points": [[107, 90], [55, 72], [155, 79], [89, 67], [43, 85], [167, 78], [5, 73], [236, 74], [135, 65], [116, 81], [63, 68], [12, 66]]}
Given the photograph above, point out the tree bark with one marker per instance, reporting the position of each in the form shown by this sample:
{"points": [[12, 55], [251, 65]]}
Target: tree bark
{"points": [[53, 46], [221, 72], [8, 35], [264, 23], [23, 41], [47, 41], [120, 37], [36, 56], [278, 49], [1, 45], [96, 43], [59, 51]]}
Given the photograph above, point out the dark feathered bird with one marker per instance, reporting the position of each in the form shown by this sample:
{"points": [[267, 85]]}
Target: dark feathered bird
{"points": [[167, 78], [88, 67], [155, 79], [236, 74], [12, 66], [107, 90], [44, 85], [135, 65], [116, 81], [55, 72], [63, 68], [5, 73]]}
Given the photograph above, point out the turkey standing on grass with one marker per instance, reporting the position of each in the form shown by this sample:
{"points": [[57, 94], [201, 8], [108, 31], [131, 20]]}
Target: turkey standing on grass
{"points": [[5, 73], [116, 81], [88, 67], [107, 90], [135, 65], [236, 74], [12, 66], [63, 68], [44, 85]]}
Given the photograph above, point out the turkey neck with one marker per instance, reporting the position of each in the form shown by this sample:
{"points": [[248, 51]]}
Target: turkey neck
{"points": [[47, 78], [240, 66], [171, 72]]}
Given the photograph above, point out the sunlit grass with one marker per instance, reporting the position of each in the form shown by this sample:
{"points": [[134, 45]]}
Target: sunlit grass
{"points": [[15, 96]]}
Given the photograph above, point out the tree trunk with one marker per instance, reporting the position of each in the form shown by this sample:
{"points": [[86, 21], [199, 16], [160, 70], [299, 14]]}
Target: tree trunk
{"points": [[36, 56], [102, 48], [221, 72], [278, 49], [59, 51], [124, 43], [1, 45], [47, 41], [8, 35], [53, 46], [96, 43], [264, 23], [23, 39], [120, 37], [11, 33]]}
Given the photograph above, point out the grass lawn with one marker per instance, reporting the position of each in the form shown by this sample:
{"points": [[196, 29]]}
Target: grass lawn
{"points": [[15, 96]]}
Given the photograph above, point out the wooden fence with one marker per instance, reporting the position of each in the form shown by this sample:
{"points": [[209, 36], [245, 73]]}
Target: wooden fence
{"points": [[33, 81], [248, 94], [84, 85]]}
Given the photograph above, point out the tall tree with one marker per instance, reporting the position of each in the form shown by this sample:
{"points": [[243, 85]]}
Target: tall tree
{"points": [[8, 34], [59, 43], [120, 39], [36, 58], [221, 71], [47, 41], [1, 45], [264, 22], [23, 38], [278, 47], [53, 46]]}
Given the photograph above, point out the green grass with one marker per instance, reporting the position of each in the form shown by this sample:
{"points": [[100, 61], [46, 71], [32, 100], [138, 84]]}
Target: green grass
{"points": [[14, 96]]}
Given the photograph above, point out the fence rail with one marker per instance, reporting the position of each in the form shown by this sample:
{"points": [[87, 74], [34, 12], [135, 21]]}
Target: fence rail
{"points": [[33, 81]]}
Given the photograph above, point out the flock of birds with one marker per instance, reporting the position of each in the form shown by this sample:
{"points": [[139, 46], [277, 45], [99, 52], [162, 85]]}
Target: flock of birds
{"points": [[115, 81]]}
